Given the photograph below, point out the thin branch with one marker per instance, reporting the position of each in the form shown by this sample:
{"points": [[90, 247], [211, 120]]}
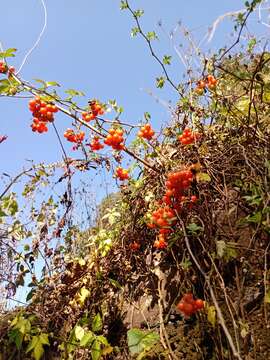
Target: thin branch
{"points": [[38, 39], [239, 34], [152, 50]]}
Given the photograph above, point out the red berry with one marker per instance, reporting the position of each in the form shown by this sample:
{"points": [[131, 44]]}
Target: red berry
{"points": [[199, 304]]}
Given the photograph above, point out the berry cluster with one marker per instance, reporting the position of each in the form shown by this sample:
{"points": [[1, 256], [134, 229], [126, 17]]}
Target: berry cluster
{"points": [[160, 242], [146, 132], [95, 144], [121, 174], [71, 136], [3, 67], [162, 218], [188, 137], [189, 306], [42, 114], [177, 182], [115, 139], [95, 110], [210, 82]]}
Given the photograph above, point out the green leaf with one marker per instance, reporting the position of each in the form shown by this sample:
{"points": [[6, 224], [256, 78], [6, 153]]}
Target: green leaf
{"points": [[147, 116], [226, 250], [22, 324], [44, 339], [37, 345], [97, 323], [52, 83], [139, 340], [251, 44], [255, 218], [73, 92], [79, 332], [211, 315], [87, 339], [134, 31], [8, 53], [83, 295], [160, 81], [17, 337], [185, 263], [115, 283], [203, 177], [123, 5], [4, 86], [151, 35], [44, 84], [167, 60], [194, 228], [2, 213], [103, 340], [30, 294], [96, 350], [138, 13], [13, 207]]}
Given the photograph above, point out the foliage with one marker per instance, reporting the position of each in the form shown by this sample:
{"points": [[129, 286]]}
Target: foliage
{"points": [[191, 217]]}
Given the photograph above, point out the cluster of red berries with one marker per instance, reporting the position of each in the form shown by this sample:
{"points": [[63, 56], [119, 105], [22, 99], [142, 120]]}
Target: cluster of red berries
{"points": [[6, 69], [73, 137], [115, 139], [162, 218], [210, 82], [188, 137], [42, 114], [121, 174], [95, 110], [146, 132], [3, 67], [189, 306], [95, 144], [165, 216], [177, 182]]}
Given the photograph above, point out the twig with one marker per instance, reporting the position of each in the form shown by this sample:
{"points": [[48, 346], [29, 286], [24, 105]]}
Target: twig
{"points": [[152, 50], [239, 34], [38, 39]]}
